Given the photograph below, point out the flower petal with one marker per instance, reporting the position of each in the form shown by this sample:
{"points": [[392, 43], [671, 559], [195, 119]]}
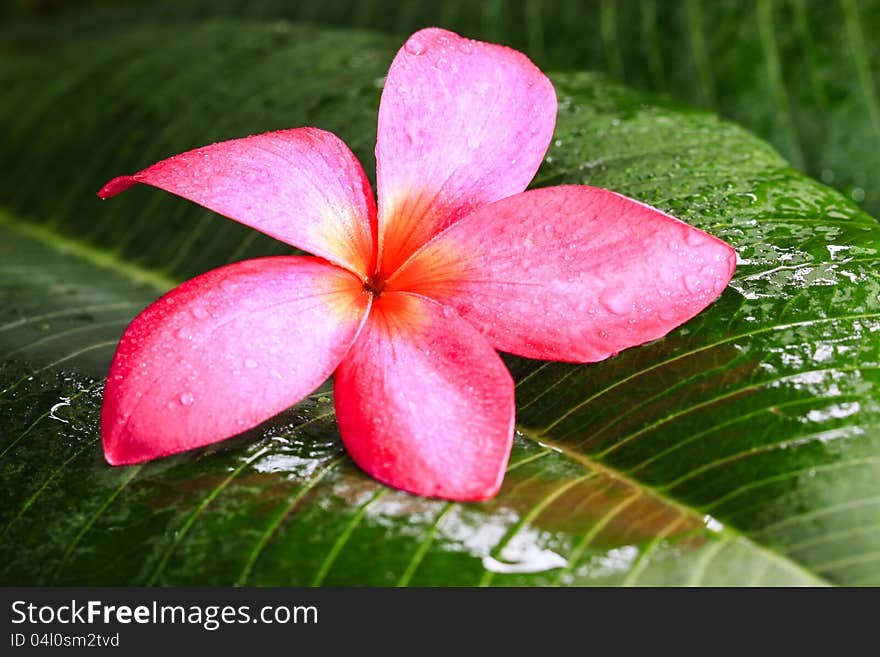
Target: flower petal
{"points": [[303, 186], [571, 273], [424, 403], [461, 123], [225, 351]]}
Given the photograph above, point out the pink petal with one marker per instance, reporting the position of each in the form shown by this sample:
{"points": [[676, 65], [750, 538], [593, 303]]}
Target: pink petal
{"points": [[225, 351], [461, 123], [424, 403], [571, 273], [302, 186]]}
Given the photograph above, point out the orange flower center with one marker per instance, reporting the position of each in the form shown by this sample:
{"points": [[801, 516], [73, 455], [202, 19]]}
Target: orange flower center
{"points": [[375, 285]]}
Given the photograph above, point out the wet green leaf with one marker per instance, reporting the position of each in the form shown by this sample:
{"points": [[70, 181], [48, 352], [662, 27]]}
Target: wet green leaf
{"points": [[741, 449]]}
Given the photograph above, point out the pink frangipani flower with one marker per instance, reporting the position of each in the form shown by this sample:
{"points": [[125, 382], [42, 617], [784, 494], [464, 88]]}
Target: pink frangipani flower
{"points": [[404, 305]]}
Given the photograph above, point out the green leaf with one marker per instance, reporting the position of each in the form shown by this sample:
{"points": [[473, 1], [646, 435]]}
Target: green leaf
{"points": [[741, 449]]}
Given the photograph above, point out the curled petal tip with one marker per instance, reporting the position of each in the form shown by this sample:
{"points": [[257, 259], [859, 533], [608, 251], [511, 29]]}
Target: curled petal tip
{"points": [[115, 186], [117, 460], [111, 458]]}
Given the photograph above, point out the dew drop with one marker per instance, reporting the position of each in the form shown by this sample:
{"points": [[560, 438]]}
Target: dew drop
{"points": [[616, 301], [250, 363], [183, 333], [465, 47], [186, 399], [693, 283], [199, 313], [415, 46]]}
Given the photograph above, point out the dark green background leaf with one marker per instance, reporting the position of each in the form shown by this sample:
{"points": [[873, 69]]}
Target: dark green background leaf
{"points": [[740, 449], [800, 73]]}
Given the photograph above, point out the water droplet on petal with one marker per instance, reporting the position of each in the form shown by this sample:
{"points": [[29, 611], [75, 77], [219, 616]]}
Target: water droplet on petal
{"points": [[199, 313], [183, 333], [415, 46], [466, 47], [186, 398], [616, 301], [693, 283], [250, 363]]}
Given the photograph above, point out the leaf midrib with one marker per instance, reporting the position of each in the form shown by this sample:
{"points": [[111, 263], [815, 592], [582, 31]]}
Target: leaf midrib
{"points": [[162, 283], [85, 251], [685, 510]]}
